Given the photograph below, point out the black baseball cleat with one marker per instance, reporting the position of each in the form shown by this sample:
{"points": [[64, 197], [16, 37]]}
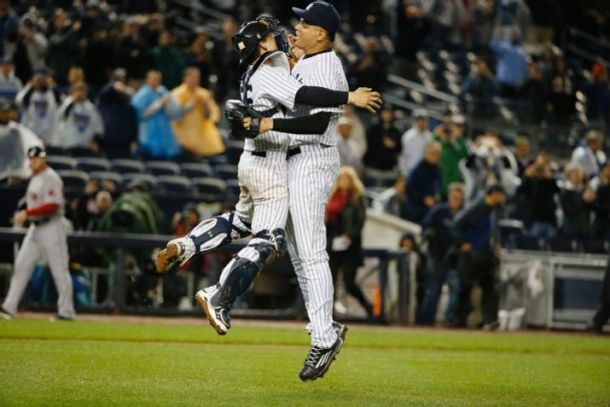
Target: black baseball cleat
{"points": [[318, 361], [218, 317], [59, 317]]}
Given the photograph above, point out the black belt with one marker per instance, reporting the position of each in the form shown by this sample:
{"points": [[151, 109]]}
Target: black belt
{"points": [[259, 153], [297, 150], [39, 222]]}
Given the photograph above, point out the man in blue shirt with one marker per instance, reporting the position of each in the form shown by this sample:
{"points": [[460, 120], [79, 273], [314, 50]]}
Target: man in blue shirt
{"points": [[476, 236], [511, 71]]}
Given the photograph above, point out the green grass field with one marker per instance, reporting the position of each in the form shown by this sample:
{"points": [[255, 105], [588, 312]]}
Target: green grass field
{"points": [[88, 363]]}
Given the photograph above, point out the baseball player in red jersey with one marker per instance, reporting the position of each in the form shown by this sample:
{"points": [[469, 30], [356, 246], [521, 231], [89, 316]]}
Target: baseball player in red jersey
{"points": [[45, 238]]}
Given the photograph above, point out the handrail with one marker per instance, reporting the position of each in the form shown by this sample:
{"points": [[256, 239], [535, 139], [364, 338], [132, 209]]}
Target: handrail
{"points": [[197, 6], [405, 104], [405, 83]]}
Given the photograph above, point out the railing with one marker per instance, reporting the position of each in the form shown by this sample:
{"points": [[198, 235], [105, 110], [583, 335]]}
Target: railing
{"points": [[387, 260]]}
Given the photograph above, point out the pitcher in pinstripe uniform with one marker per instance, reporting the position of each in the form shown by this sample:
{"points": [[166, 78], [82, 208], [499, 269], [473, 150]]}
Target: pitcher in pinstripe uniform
{"points": [[269, 89]]}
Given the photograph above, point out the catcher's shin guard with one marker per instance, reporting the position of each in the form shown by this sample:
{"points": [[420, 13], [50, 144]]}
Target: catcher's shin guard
{"points": [[237, 276], [218, 231]]}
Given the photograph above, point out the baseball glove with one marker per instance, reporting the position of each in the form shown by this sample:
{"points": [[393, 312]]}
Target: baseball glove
{"points": [[235, 112]]}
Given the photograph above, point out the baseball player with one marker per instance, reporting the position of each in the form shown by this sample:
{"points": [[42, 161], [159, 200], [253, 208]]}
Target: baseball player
{"points": [[267, 90], [45, 238]]}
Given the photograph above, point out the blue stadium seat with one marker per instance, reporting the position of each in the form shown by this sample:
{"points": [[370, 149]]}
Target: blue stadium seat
{"points": [[127, 166], [107, 175], [226, 171], [90, 164], [73, 179], [174, 184], [162, 168], [212, 189], [232, 189], [196, 170], [234, 148], [58, 162]]}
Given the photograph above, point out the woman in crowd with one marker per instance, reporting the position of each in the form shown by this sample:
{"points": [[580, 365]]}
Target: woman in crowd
{"points": [[345, 215]]}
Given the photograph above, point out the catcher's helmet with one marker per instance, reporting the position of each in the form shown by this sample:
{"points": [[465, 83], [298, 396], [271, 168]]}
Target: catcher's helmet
{"points": [[251, 33]]}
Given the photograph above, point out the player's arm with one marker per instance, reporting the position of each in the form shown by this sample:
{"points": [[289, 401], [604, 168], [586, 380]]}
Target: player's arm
{"points": [[284, 89], [314, 124]]}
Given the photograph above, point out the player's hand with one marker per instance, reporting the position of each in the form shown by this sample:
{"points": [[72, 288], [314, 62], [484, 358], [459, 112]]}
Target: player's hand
{"points": [[365, 98], [20, 218], [466, 247]]}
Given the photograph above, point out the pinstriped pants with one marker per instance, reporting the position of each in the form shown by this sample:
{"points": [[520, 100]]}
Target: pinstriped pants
{"points": [[263, 184], [311, 176]]}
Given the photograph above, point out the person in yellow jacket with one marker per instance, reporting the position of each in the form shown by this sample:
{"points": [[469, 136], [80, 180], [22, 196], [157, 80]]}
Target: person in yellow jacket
{"points": [[195, 128]]}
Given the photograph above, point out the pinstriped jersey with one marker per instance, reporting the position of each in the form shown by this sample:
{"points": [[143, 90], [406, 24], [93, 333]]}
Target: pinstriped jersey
{"points": [[270, 86], [321, 69]]}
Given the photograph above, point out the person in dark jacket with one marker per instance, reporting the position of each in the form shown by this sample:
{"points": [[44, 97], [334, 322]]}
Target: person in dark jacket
{"points": [[475, 230], [423, 185], [119, 117], [442, 256], [539, 190], [133, 52], [576, 203], [63, 46], [168, 60], [345, 216], [383, 143]]}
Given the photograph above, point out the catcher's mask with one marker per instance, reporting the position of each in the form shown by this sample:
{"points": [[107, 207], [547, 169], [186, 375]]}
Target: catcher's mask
{"points": [[251, 33]]}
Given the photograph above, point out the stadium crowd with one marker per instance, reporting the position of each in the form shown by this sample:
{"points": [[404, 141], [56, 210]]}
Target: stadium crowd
{"points": [[121, 86]]}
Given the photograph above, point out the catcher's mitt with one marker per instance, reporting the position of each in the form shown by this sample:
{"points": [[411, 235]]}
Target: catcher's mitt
{"points": [[235, 112]]}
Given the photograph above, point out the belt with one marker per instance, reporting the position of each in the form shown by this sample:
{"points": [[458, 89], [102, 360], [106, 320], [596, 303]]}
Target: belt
{"points": [[301, 149], [42, 221]]}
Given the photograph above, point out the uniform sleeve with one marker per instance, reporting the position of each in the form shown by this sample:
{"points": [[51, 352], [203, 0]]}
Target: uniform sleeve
{"points": [[278, 85], [329, 75]]}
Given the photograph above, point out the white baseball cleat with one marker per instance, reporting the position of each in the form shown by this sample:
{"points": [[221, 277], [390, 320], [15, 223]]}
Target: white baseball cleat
{"points": [[218, 317], [4, 314]]}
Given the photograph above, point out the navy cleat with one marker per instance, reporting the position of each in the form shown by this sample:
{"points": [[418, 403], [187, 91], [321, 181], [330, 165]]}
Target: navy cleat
{"points": [[318, 361], [218, 317]]}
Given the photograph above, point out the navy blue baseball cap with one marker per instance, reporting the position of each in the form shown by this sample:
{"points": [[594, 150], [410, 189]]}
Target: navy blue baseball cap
{"points": [[37, 151], [322, 14]]}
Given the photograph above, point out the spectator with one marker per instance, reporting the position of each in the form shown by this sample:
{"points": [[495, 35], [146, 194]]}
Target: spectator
{"points": [[97, 61], [445, 15], [168, 60], [119, 117], [185, 221], [546, 64], [414, 142], [424, 185], [90, 206], [358, 131], [345, 216], [522, 153], [370, 71], [512, 64], [63, 45], [383, 141], [133, 52], [408, 244], [576, 203], [38, 102], [35, 46], [453, 150], [153, 105], [15, 140], [227, 62], [539, 191], [598, 96], [10, 85], [348, 150], [195, 128], [79, 124], [535, 92], [8, 29], [199, 55], [481, 88], [562, 93], [442, 256], [75, 75], [601, 185], [475, 234], [590, 156], [412, 26]]}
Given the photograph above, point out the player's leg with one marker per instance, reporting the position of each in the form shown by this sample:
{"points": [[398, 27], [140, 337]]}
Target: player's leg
{"points": [[28, 255], [55, 247], [208, 235], [311, 176]]}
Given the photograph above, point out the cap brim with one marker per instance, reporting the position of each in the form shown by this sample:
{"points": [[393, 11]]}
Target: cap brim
{"points": [[299, 12]]}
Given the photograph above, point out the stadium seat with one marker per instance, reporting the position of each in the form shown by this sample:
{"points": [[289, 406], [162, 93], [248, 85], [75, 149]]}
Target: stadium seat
{"points": [[148, 181], [226, 171], [529, 243], [59, 162], [90, 164], [234, 148], [107, 175], [73, 179], [174, 184], [127, 166], [232, 189], [380, 179], [162, 168], [196, 170], [212, 189]]}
